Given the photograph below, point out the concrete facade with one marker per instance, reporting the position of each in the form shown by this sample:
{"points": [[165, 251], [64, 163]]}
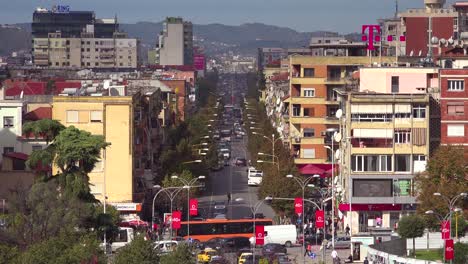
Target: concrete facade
{"points": [[175, 44]]}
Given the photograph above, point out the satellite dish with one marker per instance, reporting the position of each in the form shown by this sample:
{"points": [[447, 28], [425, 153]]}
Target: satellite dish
{"points": [[339, 113], [337, 137], [443, 41], [435, 40], [337, 154], [450, 41]]}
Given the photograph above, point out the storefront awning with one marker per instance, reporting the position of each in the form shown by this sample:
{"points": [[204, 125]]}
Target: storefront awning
{"points": [[324, 170]]}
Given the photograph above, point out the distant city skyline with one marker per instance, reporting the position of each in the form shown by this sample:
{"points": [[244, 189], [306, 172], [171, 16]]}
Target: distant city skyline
{"points": [[343, 16]]}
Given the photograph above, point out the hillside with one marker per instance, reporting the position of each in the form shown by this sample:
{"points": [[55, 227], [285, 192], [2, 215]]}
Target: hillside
{"points": [[245, 38]]}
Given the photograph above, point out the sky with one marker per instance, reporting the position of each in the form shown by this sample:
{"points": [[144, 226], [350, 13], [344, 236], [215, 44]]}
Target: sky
{"points": [[302, 15]]}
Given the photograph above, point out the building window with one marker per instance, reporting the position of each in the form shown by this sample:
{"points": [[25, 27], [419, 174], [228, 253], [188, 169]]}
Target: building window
{"points": [[72, 116], [309, 153], [402, 136], [8, 150], [296, 110], [88, 64], [371, 163], [455, 109], [309, 92], [96, 64], [402, 163], [309, 112], [36, 147], [419, 111], [309, 132], [309, 72], [395, 84], [96, 49], [455, 130], [455, 85], [8, 121], [96, 116]]}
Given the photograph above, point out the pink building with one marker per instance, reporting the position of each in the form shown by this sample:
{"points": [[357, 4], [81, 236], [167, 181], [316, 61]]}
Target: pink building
{"points": [[398, 79]]}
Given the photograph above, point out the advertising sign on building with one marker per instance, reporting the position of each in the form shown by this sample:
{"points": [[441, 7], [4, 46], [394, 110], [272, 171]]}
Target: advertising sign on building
{"points": [[127, 206]]}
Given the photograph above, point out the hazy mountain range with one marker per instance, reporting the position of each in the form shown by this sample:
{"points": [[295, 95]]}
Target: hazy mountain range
{"points": [[215, 38]]}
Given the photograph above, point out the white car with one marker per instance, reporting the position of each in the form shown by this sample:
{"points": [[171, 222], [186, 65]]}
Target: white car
{"points": [[166, 246], [254, 176]]}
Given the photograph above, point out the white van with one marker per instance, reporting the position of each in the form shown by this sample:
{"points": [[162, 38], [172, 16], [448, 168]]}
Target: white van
{"points": [[254, 176], [123, 237], [166, 246], [281, 234]]}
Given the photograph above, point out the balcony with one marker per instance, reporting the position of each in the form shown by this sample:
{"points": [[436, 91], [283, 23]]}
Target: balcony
{"points": [[337, 80], [313, 120], [308, 161], [306, 80], [311, 140], [372, 143]]}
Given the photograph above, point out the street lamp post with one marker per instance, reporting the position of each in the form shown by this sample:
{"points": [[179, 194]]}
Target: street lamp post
{"points": [[188, 185], [451, 208], [303, 183], [171, 192], [334, 130], [254, 210], [272, 140]]}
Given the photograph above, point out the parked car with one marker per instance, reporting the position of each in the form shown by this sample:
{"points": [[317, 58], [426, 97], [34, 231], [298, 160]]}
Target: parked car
{"points": [[273, 248], [234, 244], [340, 242], [241, 162]]}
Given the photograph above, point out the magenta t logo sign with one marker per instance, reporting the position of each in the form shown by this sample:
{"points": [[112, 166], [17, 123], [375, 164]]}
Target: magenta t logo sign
{"points": [[370, 41], [375, 29]]}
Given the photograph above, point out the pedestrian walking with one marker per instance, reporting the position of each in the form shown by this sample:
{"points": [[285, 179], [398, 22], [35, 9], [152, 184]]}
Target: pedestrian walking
{"points": [[366, 261], [229, 197], [347, 229]]}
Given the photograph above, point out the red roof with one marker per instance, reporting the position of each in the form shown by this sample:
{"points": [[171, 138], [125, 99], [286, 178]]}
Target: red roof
{"points": [[39, 113], [30, 88], [16, 155]]}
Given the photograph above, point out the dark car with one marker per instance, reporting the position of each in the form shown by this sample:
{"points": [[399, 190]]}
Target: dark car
{"points": [[234, 244], [214, 243], [313, 238], [273, 248], [241, 162]]}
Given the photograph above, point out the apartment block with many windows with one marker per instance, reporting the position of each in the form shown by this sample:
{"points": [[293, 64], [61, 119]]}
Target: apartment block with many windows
{"points": [[313, 104], [454, 107], [385, 144]]}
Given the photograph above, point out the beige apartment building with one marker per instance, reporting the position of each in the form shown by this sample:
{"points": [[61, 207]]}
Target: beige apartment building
{"points": [[86, 51]]}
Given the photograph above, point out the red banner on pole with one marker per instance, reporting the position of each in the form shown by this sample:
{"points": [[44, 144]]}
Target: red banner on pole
{"points": [[445, 229], [259, 235], [298, 205], [176, 216], [193, 207], [320, 219], [449, 249]]}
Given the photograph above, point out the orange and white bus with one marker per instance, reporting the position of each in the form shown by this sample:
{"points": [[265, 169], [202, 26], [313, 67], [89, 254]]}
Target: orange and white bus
{"points": [[201, 231]]}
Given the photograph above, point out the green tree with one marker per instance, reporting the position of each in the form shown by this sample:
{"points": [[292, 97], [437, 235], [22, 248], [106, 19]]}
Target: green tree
{"points": [[71, 249], [182, 254], [139, 251], [44, 128], [8, 254], [460, 253], [445, 173], [412, 226], [42, 212]]}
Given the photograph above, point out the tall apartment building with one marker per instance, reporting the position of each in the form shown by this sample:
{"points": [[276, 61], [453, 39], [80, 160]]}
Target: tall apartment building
{"points": [[313, 103], [385, 144], [174, 45], [77, 39], [129, 125], [454, 107]]}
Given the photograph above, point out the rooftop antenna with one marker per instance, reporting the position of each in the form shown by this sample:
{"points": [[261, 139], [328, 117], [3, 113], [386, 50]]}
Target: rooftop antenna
{"points": [[396, 8]]}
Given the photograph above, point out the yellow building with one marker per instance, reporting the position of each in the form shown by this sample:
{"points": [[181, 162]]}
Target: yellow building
{"points": [[313, 104], [112, 117]]}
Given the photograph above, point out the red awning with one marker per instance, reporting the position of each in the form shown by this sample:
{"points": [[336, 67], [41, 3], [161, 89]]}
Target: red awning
{"points": [[17, 155], [324, 170]]}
